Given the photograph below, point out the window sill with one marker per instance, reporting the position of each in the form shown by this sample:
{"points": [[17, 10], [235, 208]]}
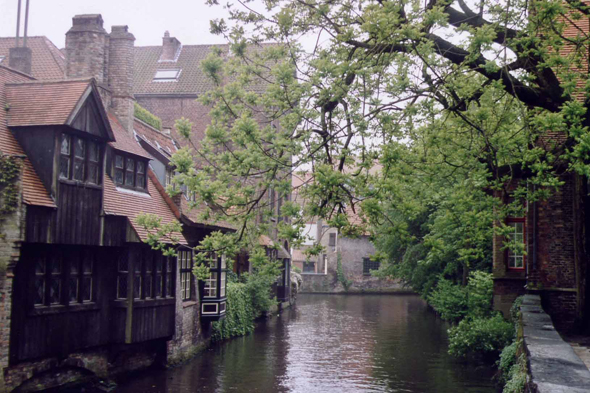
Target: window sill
{"points": [[80, 184], [60, 308], [139, 303], [189, 303]]}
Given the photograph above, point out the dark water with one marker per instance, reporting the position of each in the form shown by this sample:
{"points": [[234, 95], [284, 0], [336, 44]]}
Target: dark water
{"points": [[330, 343]]}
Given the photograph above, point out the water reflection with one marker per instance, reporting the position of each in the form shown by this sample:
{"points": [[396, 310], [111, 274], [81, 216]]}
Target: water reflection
{"points": [[330, 343]]}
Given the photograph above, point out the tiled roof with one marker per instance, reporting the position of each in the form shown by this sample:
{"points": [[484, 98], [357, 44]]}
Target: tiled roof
{"points": [[124, 141], [191, 80], [48, 62], [130, 204], [34, 193], [157, 139], [298, 255], [43, 102]]}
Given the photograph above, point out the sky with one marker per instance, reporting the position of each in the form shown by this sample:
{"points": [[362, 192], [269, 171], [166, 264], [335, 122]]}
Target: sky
{"points": [[187, 20]]}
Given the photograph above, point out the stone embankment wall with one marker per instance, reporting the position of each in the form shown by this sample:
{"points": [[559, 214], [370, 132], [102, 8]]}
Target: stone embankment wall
{"points": [[553, 365]]}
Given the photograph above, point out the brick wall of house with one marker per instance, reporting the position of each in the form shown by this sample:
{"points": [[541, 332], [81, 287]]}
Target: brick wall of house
{"points": [[11, 227], [170, 109]]}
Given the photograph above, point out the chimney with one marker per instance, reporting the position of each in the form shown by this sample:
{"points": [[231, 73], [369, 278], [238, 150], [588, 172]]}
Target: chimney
{"points": [[86, 48], [20, 59], [120, 74], [170, 47]]}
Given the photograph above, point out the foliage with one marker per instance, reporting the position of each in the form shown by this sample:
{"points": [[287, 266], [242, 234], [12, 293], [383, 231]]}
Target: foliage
{"points": [[483, 336], [246, 301], [346, 283], [513, 367], [515, 309], [10, 169], [161, 236], [147, 117], [449, 300], [296, 269], [479, 294], [239, 318]]}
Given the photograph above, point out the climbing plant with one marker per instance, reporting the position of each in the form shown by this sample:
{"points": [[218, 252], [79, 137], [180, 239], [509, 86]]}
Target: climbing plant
{"points": [[346, 283], [10, 168]]}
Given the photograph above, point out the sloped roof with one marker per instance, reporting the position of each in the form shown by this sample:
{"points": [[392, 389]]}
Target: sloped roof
{"points": [[130, 204], [34, 193], [124, 141], [48, 62], [43, 102], [191, 80], [156, 139]]}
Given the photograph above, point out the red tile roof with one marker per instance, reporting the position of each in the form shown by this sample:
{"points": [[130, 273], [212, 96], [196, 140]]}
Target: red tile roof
{"points": [[43, 102], [157, 139], [130, 204], [48, 62], [123, 140], [34, 193]]}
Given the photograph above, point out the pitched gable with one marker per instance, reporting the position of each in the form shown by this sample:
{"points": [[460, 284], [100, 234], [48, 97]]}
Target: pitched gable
{"points": [[75, 103]]}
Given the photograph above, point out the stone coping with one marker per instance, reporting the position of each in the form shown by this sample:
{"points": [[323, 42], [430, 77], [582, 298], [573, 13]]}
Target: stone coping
{"points": [[554, 367]]}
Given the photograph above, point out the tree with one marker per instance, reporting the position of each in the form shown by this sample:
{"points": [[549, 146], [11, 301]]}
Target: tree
{"points": [[453, 95]]}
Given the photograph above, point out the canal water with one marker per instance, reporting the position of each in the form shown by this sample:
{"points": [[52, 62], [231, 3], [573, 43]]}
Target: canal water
{"points": [[330, 343]]}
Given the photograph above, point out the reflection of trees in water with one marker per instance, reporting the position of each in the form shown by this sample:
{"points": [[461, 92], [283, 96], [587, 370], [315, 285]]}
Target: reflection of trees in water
{"points": [[329, 343]]}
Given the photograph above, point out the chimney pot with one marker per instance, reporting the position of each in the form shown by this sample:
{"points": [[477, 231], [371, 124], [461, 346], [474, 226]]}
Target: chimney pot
{"points": [[166, 34]]}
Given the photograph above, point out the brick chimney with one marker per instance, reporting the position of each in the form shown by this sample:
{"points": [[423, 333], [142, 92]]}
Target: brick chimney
{"points": [[170, 47], [86, 48], [20, 58], [120, 74]]}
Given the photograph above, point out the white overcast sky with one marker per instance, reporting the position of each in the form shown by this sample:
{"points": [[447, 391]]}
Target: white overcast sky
{"points": [[187, 20]]}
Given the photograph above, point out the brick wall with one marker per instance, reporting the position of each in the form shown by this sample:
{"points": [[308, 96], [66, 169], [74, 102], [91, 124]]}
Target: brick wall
{"points": [[170, 109], [120, 74]]}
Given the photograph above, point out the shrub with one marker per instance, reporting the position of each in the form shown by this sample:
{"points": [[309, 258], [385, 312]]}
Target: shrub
{"points": [[479, 294], [147, 117], [515, 309], [246, 301], [517, 376], [449, 300], [484, 336]]}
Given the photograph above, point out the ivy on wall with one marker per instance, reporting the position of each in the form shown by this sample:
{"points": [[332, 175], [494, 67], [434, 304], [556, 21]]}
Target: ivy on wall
{"points": [[346, 283], [10, 168]]}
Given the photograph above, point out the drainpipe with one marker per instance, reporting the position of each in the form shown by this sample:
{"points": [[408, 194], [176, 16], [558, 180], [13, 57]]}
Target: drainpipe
{"points": [[534, 231]]}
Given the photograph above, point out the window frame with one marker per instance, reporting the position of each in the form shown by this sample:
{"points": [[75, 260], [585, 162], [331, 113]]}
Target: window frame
{"points": [[135, 171], [167, 78], [515, 220], [73, 158], [145, 276], [185, 260], [369, 265]]}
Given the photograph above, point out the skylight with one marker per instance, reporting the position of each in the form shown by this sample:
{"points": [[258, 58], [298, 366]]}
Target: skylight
{"points": [[167, 75], [1, 58]]}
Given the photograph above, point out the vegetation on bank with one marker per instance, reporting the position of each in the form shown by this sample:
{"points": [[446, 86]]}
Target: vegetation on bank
{"points": [[247, 299], [147, 117]]}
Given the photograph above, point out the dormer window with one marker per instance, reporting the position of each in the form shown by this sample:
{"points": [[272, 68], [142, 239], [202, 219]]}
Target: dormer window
{"points": [[167, 75], [79, 159], [130, 172]]}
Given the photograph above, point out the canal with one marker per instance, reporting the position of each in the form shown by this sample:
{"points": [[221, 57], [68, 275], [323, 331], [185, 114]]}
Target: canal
{"points": [[330, 343]]}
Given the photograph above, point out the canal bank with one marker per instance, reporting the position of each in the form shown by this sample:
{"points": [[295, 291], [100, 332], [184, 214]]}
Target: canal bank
{"points": [[329, 344]]}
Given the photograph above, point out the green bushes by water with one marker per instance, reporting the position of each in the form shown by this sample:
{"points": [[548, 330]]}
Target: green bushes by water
{"points": [[480, 331], [246, 301]]}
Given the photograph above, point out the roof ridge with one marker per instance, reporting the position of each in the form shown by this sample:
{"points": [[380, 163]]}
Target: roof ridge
{"points": [[29, 36], [50, 81], [50, 44]]}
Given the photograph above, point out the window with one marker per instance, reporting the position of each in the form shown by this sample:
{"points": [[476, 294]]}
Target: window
{"points": [[167, 75], [169, 176], [332, 242], [79, 159], [308, 267], [62, 278], [185, 259], [152, 277], [369, 265], [516, 257], [130, 172], [211, 285], [81, 281]]}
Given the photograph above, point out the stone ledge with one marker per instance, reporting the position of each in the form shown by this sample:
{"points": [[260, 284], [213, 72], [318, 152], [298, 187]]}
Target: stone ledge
{"points": [[554, 367]]}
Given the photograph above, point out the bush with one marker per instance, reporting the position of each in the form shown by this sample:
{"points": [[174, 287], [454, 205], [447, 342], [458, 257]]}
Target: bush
{"points": [[147, 117], [479, 294], [484, 336], [449, 300], [246, 301]]}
